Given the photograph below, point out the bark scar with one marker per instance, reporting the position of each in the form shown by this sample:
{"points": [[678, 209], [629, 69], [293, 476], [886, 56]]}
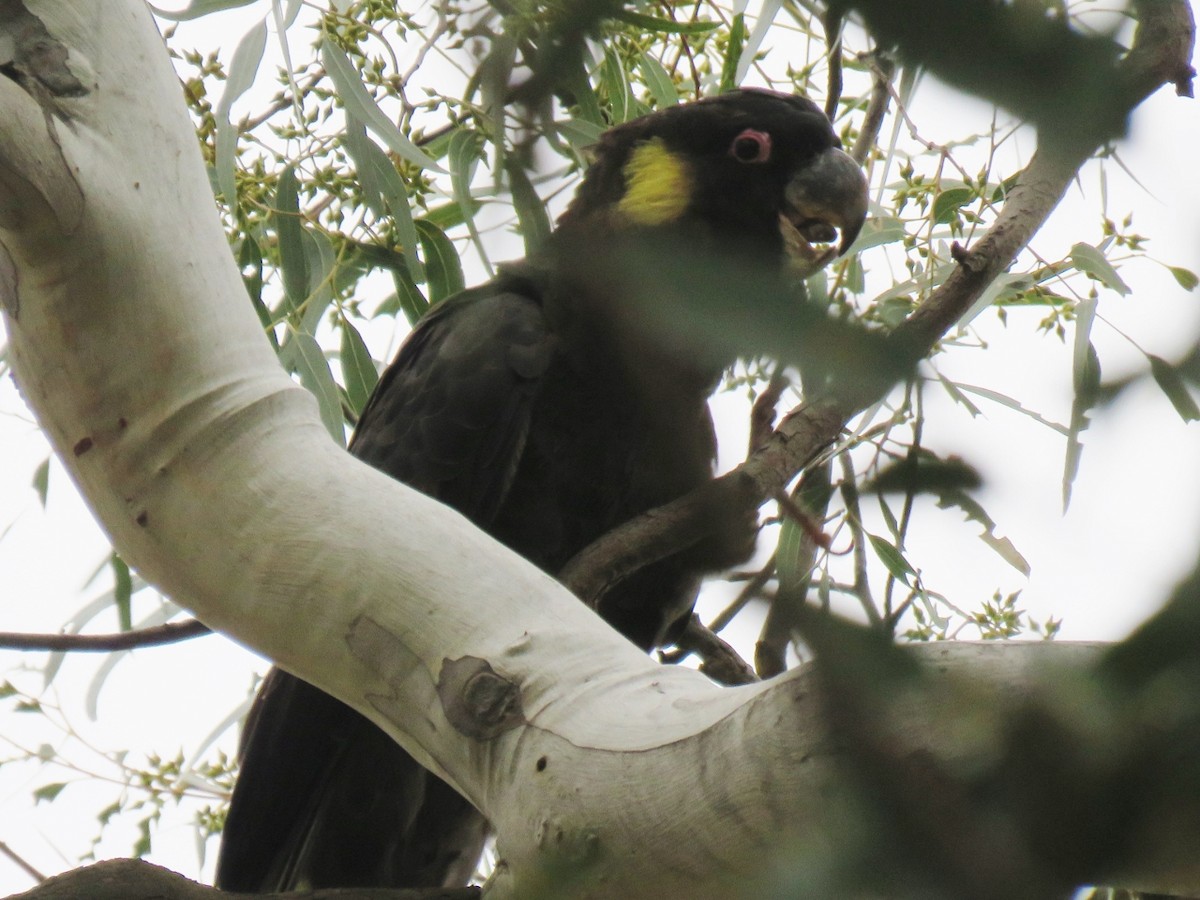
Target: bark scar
{"points": [[479, 701], [34, 59]]}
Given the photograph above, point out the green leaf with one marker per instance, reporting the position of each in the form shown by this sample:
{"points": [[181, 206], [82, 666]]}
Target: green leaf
{"points": [[122, 592], [108, 812], [442, 264], [1007, 551], [242, 71], [958, 396], [142, 845], [658, 82], [243, 67], [198, 8], [789, 554], [408, 299], [320, 260], [877, 231], [448, 215], [616, 86], [1000, 193], [383, 188], [47, 792], [289, 229], [313, 368], [733, 54], [587, 105], [949, 202], [466, 144], [579, 133], [1186, 277], [892, 559], [926, 474], [250, 263], [1091, 261], [1005, 400], [362, 106], [1167, 378], [358, 369], [41, 480], [1085, 375], [663, 26], [889, 517], [531, 211]]}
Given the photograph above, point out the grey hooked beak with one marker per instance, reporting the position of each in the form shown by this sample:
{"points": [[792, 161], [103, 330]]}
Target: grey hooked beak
{"points": [[825, 201]]}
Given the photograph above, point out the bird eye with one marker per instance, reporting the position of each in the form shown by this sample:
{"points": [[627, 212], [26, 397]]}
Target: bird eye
{"points": [[751, 146]]}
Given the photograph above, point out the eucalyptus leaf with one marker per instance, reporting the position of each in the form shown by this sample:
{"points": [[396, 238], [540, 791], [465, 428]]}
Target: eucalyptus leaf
{"points": [[531, 211], [243, 68], [892, 559], [658, 82], [47, 792], [763, 23], [1085, 376], [1169, 380], [358, 369], [733, 54], [616, 86], [447, 215], [466, 145], [198, 8], [41, 480], [948, 202], [293, 263], [579, 133], [383, 185], [1186, 277], [408, 299], [242, 71], [122, 592], [313, 369], [1091, 260], [657, 25], [363, 107]]}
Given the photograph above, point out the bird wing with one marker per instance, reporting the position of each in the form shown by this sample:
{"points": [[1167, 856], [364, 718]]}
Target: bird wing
{"points": [[450, 415], [324, 798]]}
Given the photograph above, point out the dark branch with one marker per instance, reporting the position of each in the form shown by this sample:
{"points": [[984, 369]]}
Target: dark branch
{"points": [[720, 662], [882, 70], [135, 879], [170, 633]]}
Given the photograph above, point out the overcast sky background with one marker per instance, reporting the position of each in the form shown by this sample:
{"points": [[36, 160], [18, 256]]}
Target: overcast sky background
{"points": [[1132, 530]]}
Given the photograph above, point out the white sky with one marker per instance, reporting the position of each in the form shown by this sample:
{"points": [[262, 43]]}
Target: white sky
{"points": [[1132, 530]]}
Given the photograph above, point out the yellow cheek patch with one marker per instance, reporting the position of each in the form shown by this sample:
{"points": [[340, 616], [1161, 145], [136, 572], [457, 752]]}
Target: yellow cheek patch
{"points": [[657, 185]]}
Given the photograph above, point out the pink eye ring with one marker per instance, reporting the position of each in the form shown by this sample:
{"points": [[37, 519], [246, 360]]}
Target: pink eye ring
{"points": [[751, 146]]}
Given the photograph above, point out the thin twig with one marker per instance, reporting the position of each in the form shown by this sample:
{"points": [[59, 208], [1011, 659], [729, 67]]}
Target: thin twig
{"points": [[170, 633], [21, 863], [862, 585], [762, 413], [720, 661], [751, 589], [882, 70]]}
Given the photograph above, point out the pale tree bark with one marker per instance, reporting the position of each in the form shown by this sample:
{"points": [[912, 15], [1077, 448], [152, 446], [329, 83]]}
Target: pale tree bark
{"points": [[603, 773]]}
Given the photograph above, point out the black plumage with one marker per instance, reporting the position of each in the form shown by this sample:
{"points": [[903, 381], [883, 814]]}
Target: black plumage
{"points": [[547, 407]]}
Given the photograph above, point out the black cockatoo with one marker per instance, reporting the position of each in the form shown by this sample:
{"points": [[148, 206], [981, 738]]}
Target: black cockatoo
{"points": [[548, 406]]}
